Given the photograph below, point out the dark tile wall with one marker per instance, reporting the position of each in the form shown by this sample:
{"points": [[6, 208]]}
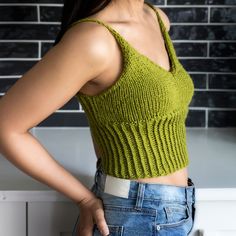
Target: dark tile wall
{"points": [[203, 33]]}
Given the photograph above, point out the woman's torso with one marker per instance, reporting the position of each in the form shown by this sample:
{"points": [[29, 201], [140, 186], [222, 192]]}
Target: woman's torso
{"points": [[152, 39]]}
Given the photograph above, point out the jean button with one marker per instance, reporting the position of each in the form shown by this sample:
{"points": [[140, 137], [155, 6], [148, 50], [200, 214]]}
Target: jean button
{"points": [[158, 227]]}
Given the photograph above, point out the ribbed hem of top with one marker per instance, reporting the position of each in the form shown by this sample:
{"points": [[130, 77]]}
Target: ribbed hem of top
{"points": [[153, 148]]}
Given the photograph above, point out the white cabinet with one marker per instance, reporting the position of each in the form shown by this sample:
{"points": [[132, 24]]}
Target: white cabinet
{"points": [[36, 213], [215, 212], [12, 218], [48, 213], [217, 232], [51, 218]]}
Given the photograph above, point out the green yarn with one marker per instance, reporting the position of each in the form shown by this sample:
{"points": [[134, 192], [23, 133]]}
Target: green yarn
{"points": [[139, 121]]}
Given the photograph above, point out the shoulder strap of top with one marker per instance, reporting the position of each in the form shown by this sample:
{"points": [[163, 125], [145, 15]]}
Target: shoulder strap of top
{"points": [[162, 25], [118, 37], [165, 34]]}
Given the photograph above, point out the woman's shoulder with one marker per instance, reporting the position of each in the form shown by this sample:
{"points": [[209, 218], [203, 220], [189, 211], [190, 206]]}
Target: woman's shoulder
{"points": [[89, 40]]}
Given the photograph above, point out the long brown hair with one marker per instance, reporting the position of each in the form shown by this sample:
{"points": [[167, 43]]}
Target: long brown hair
{"points": [[74, 10]]}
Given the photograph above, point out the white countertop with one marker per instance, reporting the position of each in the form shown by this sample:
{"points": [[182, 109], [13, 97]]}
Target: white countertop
{"points": [[212, 154], [202, 194]]}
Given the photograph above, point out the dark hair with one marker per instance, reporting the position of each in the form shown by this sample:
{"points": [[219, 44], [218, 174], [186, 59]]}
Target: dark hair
{"points": [[74, 10]]}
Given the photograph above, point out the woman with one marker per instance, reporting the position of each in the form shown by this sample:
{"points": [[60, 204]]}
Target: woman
{"points": [[135, 93]]}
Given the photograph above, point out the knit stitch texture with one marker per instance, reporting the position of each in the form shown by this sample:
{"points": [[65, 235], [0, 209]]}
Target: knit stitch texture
{"points": [[139, 121]]}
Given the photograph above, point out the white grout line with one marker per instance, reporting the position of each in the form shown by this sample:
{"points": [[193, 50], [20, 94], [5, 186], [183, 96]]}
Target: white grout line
{"points": [[208, 49], [199, 6], [212, 108], [192, 41], [30, 22], [39, 50], [209, 14], [38, 14], [9, 76], [19, 59], [203, 41], [25, 41], [207, 81], [201, 72], [206, 118], [206, 57], [207, 89], [32, 4], [202, 23], [184, 6], [197, 108]]}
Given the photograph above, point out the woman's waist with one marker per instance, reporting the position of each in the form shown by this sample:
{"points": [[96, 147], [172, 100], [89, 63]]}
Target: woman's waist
{"points": [[177, 178], [127, 188]]}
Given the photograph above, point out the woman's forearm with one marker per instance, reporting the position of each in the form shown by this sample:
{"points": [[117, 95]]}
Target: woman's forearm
{"points": [[28, 154]]}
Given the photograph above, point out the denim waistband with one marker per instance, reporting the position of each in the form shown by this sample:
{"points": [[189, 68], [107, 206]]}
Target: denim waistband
{"points": [[155, 191]]}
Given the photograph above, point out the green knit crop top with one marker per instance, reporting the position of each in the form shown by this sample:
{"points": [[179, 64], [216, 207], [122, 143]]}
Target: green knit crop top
{"points": [[139, 121]]}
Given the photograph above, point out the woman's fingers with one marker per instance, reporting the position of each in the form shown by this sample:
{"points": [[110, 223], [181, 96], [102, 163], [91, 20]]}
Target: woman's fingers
{"points": [[92, 212], [101, 222]]}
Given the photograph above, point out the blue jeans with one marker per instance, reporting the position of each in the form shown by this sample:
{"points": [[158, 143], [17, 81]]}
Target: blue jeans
{"points": [[151, 209]]}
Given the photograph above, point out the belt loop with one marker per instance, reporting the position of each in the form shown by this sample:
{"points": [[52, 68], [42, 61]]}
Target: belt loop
{"points": [[190, 191], [140, 195], [190, 194], [97, 170], [194, 193], [187, 194]]}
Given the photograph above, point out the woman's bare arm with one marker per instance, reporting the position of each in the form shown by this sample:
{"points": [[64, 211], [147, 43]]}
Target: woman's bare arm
{"points": [[81, 55]]}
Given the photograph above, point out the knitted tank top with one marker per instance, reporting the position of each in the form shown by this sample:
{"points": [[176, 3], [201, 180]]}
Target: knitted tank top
{"points": [[139, 121]]}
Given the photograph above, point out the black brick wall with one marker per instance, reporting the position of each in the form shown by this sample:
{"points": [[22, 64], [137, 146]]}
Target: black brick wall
{"points": [[203, 33]]}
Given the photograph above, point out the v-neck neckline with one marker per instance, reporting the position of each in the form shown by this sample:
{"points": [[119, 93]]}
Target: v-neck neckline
{"points": [[167, 44], [165, 36], [166, 40]]}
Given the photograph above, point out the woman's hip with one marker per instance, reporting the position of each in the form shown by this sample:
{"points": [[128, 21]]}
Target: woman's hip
{"points": [[136, 208]]}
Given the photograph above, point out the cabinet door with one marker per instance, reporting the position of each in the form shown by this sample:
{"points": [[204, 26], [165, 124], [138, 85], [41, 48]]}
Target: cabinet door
{"points": [[216, 232], [12, 218], [215, 218], [51, 218]]}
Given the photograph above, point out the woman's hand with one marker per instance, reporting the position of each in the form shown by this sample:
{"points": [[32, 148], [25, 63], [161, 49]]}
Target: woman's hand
{"points": [[91, 212]]}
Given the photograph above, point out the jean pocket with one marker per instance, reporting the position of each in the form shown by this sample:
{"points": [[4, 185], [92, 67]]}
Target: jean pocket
{"points": [[176, 214], [114, 230]]}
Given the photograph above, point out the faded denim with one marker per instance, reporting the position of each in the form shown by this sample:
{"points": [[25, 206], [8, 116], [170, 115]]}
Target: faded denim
{"points": [[151, 209]]}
